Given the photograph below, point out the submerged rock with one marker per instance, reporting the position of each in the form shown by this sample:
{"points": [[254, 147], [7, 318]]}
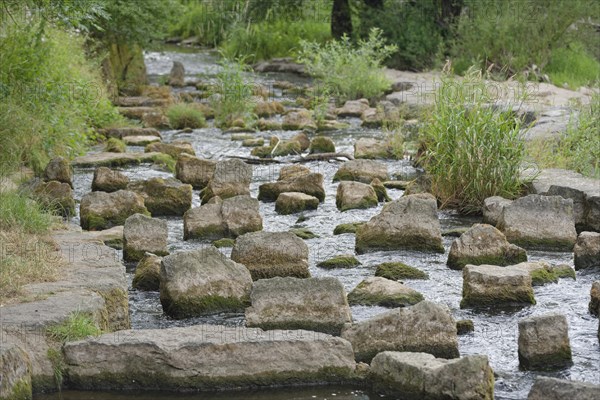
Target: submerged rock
{"points": [[195, 171], [361, 171], [271, 254], [343, 261], [547, 388], [355, 195], [108, 180], [587, 250], [316, 304], [422, 376], [594, 305], [347, 228], [101, 210], [491, 285], [142, 234], [377, 291], [425, 327], [201, 282], [464, 326], [397, 271], [544, 342], [164, 196], [484, 244], [293, 202], [147, 273], [410, 222]]}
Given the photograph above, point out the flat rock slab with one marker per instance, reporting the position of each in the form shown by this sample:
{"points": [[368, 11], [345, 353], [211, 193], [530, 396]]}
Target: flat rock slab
{"points": [[106, 159], [207, 357], [140, 140], [491, 285], [546, 388]]}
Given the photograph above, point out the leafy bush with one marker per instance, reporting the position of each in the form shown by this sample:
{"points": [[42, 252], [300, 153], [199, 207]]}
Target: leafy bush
{"points": [[573, 66], [185, 115], [232, 100], [472, 150], [348, 71]]}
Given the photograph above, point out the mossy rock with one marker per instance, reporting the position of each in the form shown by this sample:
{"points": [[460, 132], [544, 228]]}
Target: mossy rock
{"points": [[225, 242], [193, 306], [147, 273], [114, 145], [464, 326], [262, 152], [347, 228], [543, 276], [454, 232], [304, 233], [21, 390], [361, 295], [343, 261], [321, 144], [380, 190], [286, 148], [398, 271]]}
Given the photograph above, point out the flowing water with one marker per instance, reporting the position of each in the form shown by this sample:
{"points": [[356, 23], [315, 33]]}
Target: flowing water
{"points": [[495, 332]]}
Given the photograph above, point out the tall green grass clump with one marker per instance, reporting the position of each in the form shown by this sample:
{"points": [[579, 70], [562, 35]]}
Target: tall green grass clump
{"points": [[472, 150], [349, 71], [78, 326], [232, 100], [18, 211], [573, 66], [184, 115]]}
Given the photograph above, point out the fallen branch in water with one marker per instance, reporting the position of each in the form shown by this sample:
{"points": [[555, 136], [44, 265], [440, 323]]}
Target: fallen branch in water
{"points": [[301, 159]]}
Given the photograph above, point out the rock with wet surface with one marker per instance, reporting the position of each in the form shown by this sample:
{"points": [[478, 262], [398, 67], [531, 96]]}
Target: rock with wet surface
{"points": [[293, 180], [587, 250], [410, 223], [293, 202], [539, 222], [594, 305], [422, 376], [271, 254], [147, 273], [109, 180], [108, 159], [316, 304], [361, 171], [425, 327], [491, 285], [59, 169], [484, 244], [377, 291], [101, 210], [195, 171], [164, 196], [142, 234], [203, 281], [544, 342], [352, 195], [231, 178], [492, 209], [547, 388]]}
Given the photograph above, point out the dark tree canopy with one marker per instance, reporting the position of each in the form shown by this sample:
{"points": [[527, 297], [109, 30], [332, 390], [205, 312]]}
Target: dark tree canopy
{"points": [[341, 19]]}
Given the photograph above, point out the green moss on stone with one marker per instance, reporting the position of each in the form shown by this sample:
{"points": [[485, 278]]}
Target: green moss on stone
{"points": [[380, 241], [564, 271], [376, 299], [548, 362], [347, 228], [21, 390], [114, 145], [398, 271], [304, 233], [225, 242], [344, 261], [321, 144], [116, 312], [460, 263], [543, 244], [500, 297], [464, 326], [202, 305], [262, 152], [366, 202]]}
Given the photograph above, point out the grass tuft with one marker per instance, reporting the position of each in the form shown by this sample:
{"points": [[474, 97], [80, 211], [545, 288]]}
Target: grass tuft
{"points": [[185, 115]]}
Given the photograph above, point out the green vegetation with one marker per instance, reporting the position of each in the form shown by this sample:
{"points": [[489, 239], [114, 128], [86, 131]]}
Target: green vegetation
{"points": [[114, 145], [573, 67], [233, 98], [472, 151], [57, 360], [184, 115], [343, 261], [347, 71], [78, 326], [347, 228], [18, 211], [304, 233], [578, 149], [398, 271]]}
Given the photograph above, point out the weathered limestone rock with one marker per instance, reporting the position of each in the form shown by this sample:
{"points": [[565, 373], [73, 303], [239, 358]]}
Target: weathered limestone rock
{"points": [[108, 180], [147, 273], [587, 250], [231, 217], [177, 75], [140, 140], [253, 142], [321, 144], [59, 169], [231, 178], [484, 244], [271, 254], [207, 357], [594, 306], [293, 181], [316, 304], [164, 196], [108, 159], [546, 388], [369, 148], [174, 149], [298, 120], [410, 222], [492, 209], [195, 171], [143, 234], [353, 108], [377, 291], [491, 285], [101, 210], [351, 195], [544, 342], [425, 327], [361, 171], [15, 370], [293, 202], [202, 282], [121, 133], [409, 376], [540, 222], [56, 196], [268, 108]]}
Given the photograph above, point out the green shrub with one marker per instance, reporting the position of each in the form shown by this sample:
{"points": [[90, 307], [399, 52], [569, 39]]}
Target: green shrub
{"points": [[184, 115], [233, 95], [348, 71], [472, 150], [572, 66]]}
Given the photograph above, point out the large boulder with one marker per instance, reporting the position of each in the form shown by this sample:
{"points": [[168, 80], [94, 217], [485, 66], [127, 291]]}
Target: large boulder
{"points": [[231, 178], [594, 305], [422, 376], [353, 108], [164, 196], [143, 234], [293, 202], [177, 75], [195, 171], [59, 169], [230, 218], [174, 149], [492, 209], [491, 285], [540, 222], [587, 250], [484, 244], [203, 281], [15, 370], [425, 327], [108, 180], [207, 358], [410, 222], [271, 254], [293, 180], [316, 304], [547, 388], [321, 144], [101, 210], [361, 171], [351, 195], [369, 148], [377, 291], [56, 196], [544, 342], [147, 273]]}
